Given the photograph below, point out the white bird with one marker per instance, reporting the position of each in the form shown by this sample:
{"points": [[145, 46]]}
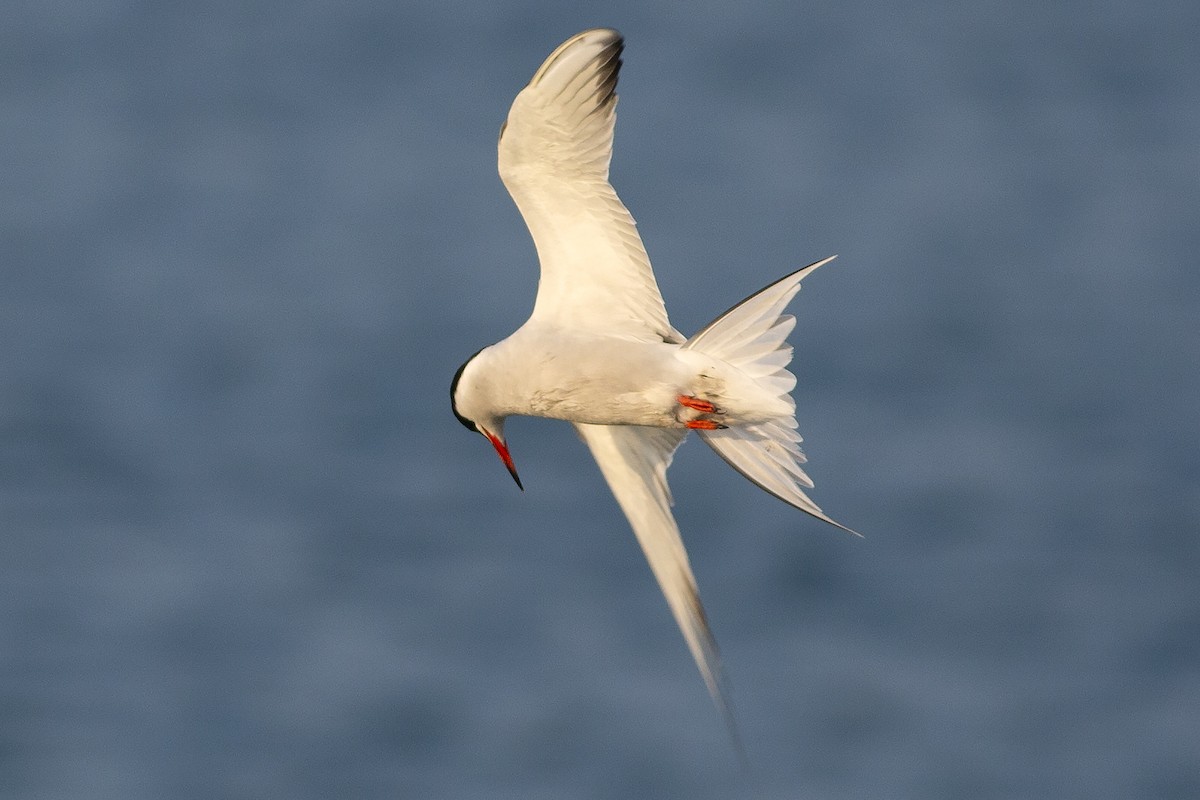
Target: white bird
{"points": [[598, 350]]}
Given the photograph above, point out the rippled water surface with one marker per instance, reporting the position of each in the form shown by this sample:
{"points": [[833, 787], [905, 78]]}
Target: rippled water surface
{"points": [[247, 551]]}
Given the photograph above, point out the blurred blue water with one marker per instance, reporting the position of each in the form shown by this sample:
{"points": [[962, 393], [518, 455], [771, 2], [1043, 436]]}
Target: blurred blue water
{"points": [[248, 552]]}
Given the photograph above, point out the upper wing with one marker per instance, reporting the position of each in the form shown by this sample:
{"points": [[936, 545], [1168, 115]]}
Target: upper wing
{"points": [[634, 461], [554, 152]]}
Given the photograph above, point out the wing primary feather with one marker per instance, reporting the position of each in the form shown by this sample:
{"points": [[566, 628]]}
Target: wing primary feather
{"points": [[634, 462]]}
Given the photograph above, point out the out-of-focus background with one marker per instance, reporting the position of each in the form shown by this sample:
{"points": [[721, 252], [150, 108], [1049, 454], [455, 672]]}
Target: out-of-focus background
{"points": [[246, 551]]}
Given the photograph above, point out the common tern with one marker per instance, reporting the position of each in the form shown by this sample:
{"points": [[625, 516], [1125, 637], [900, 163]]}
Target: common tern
{"points": [[598, 350]]}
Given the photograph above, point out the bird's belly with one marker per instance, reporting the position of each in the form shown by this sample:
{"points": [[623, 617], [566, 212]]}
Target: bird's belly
{"points": [[622, 383], [604, 381], [600, 399]]}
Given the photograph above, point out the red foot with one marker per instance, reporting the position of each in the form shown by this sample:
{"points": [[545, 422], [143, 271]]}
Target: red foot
{"points": [[704, 425], [697, 404]]}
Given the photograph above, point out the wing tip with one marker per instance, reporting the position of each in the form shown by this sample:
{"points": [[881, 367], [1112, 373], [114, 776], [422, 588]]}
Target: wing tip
{"points": [[610, 44]]}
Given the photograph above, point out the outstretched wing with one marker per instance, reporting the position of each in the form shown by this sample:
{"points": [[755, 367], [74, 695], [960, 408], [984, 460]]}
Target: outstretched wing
{"points": [[554, 153], [634, 461]]}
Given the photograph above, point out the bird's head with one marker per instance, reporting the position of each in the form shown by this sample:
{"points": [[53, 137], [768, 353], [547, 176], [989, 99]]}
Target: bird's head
{"points": [[469, 401]]}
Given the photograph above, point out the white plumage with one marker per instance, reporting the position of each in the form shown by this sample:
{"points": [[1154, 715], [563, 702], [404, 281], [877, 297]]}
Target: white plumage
{"points": [[598, 349]]}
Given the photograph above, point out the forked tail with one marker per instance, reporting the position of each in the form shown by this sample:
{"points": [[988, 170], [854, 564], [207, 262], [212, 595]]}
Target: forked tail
{"points": [[752, 336]]}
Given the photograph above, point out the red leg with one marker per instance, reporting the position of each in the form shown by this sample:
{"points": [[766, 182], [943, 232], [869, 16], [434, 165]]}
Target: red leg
{"points": [[697, 404], [704, 425]]}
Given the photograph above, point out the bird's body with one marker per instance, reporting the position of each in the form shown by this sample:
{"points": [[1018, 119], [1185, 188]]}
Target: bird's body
{"points": [[596, 379], [599, 351]]}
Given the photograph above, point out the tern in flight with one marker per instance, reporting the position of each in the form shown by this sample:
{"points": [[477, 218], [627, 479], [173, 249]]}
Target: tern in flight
{"points": [[598, 351]]}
